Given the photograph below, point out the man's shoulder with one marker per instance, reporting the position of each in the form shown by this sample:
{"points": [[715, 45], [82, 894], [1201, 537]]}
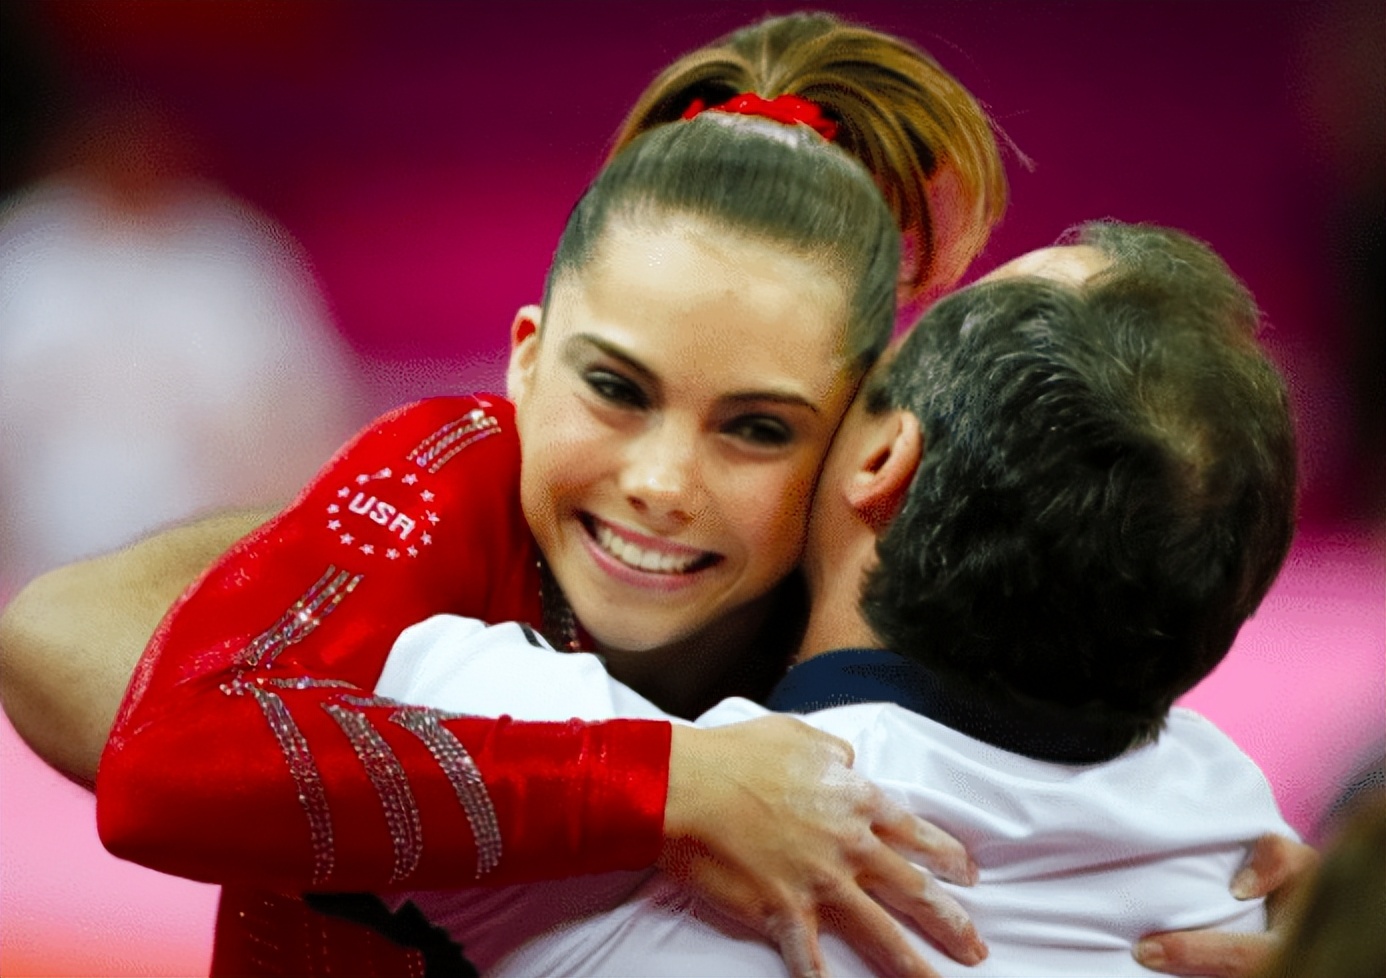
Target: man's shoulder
{"points": [[1187, 726]]}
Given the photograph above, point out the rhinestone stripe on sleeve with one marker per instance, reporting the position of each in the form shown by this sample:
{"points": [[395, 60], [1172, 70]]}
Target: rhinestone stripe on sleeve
{"points": [[391, 784], [306, 776], [439, 448], [367, 702], [303, 616], [308, 682], [462, 771]]}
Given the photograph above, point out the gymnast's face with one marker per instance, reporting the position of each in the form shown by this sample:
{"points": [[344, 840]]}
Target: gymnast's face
{"points": [[674, 412]]}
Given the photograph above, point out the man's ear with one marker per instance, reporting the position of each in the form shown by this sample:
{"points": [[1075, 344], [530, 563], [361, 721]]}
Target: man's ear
{"points": [[885, 467], [524, 351]]}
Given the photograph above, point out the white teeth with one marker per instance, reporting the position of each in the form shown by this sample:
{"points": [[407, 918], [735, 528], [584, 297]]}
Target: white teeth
{"points": [[638, 557]]}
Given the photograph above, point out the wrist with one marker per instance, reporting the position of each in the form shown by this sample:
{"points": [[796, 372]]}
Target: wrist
{"points": [[684, 748]]}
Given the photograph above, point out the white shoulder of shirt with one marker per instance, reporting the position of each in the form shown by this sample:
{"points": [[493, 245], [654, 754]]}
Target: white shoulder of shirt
{"points": [[462, 665]]}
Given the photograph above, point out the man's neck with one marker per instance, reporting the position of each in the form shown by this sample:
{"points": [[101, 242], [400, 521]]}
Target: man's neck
{"points": [[835, 620]]}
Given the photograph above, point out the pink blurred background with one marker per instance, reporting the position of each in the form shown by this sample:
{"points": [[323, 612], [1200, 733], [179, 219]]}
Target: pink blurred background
{"points": [[424, 156]]}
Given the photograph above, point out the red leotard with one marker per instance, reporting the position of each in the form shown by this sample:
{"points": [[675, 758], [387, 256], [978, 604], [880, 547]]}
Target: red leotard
{"points": [[251, 751]]}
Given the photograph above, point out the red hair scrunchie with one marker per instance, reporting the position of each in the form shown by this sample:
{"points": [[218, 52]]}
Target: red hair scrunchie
{"points": [[785, 109]]}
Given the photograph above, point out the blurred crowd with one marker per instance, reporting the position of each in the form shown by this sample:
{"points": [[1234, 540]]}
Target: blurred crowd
{"points": [[165, 349]]}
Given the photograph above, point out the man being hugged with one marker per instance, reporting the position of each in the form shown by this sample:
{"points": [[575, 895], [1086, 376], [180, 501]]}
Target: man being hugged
{"points": [[1055, 506]]}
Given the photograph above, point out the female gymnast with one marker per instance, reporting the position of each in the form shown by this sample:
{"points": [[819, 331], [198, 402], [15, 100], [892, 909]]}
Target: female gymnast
{"points": [[715, 297]]}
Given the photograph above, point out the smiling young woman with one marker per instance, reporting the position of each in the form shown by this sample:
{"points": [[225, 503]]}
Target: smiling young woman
{"points": [[716, 296], [671, 450]]}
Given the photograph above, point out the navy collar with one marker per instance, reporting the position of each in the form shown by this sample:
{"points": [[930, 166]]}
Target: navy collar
{"points": [[877, 676]]}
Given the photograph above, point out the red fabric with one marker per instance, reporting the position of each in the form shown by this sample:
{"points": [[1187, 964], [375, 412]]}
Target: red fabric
{"points": [[268, 935], [785, 109], [195, 781]]}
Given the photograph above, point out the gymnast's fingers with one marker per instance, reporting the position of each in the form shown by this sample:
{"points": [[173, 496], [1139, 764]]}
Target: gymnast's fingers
{"points": [[1275, 863], [927, 903], [936, 849], [796, 936], [1206, 953]]}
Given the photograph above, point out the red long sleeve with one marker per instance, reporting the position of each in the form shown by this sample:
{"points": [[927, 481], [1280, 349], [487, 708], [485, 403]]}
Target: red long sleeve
{"points": [[250, 748]]}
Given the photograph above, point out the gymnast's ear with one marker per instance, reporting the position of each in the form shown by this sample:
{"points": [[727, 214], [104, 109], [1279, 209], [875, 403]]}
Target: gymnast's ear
{"points": [[889, 450], [524, 351]]}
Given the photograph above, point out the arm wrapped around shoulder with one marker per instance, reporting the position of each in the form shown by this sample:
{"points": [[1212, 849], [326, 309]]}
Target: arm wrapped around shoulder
{"points": [[250, 748]]}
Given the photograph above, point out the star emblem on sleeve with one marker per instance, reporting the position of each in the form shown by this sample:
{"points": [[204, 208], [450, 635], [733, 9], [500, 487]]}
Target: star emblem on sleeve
{"points": [[400, 520]]}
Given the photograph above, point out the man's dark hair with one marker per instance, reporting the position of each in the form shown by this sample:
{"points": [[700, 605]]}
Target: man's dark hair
{"points": [[1107, 489]]}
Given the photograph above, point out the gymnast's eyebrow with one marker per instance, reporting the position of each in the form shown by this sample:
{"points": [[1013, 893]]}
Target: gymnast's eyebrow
{"points": [[787, 398]]}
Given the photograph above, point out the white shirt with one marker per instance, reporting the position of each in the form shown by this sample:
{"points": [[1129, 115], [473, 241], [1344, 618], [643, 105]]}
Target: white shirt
{"points": [[1076, 862]]}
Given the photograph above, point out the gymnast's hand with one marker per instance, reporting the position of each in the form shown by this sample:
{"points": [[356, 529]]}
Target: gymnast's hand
{"points": [[767, 821], [1276, 867]]}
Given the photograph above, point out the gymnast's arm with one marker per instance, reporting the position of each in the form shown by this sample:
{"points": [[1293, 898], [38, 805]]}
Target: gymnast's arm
{"points": [[1276, 869], [247, 748], [71, 637]]}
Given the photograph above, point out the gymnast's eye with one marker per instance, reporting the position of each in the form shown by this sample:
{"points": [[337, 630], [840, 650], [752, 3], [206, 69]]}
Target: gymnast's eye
{"points": [[615, 389], [760, 430]]}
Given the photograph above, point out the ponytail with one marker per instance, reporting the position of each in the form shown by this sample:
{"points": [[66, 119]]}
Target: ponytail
{"points": [[897, 111]]}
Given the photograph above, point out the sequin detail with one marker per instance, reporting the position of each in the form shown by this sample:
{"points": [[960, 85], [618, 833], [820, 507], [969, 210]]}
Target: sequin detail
{"points": [[438, 449], [391, 784], [368, 702], [310, 682], [305, 774], [461, 770], [303, 616]]}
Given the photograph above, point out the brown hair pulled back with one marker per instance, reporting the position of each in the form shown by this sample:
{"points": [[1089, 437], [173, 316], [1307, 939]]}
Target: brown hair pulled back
{"points": [[898, 112], [780, 184]]}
